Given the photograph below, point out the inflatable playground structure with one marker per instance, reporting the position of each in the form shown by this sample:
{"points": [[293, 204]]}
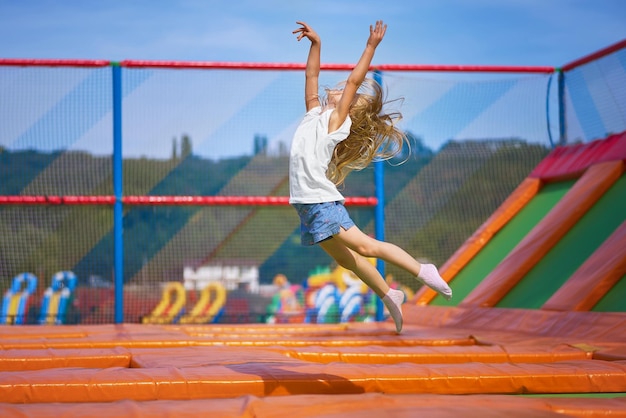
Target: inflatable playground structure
{"points": [[536, 326], [17, 304], [171, 308], [327, 296]]}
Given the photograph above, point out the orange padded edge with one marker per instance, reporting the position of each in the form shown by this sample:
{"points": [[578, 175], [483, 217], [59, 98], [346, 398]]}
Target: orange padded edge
{"points": [[374, 405], [597, 275], [523, 194], [50, 358], [610, 352], [268, 379], [528, 353], [591, 327], [374, 354], [585, 192]]}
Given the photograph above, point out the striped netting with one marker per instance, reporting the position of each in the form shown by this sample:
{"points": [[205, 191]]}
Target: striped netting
{"points": [[226, 132]]}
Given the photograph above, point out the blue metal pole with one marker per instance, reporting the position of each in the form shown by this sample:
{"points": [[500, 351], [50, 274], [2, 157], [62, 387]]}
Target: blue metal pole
{"points": [[118, 214], [561, 96], [379, 212]]}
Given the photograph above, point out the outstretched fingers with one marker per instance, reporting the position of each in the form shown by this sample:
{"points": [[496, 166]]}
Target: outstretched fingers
{"points": [[377, 32], [300, 31], [380, 26], [305, 31]]}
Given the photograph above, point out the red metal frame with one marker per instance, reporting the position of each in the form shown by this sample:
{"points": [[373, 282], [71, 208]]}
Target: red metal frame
{"points": [[598, 54], [334, 67], [168, 200], [217, 65], [300, 66], [20, 62]]}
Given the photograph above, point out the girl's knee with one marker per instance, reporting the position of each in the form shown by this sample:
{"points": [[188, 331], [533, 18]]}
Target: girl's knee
{"points": [[369, 249]]}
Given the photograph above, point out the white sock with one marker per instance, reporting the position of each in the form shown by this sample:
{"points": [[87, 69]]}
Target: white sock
{"points": [[393, 301], [431, 278]]}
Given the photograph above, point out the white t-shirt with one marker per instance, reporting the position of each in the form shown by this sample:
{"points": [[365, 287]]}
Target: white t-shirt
{"points": [[311, 150]]}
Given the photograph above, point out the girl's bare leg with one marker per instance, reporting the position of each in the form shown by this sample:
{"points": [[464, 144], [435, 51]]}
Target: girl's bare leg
{"points": [[367, 246], [361, 266], [356, 263]]}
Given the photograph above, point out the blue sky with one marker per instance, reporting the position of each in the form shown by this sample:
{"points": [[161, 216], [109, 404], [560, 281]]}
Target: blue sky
{"points": [[490, 32]]}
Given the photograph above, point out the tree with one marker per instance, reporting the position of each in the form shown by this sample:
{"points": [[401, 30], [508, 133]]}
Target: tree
{"points": [[185, 146], [174, 149], [260, 145], [283, 150]]}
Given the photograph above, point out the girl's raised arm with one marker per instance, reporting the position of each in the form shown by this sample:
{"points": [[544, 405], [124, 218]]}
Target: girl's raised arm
{"points": [[311, 87], [356, 77]]}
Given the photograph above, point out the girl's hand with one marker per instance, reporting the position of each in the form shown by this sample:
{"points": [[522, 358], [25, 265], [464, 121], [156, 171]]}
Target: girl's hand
{"points": [[377, 33], [306, 31]]}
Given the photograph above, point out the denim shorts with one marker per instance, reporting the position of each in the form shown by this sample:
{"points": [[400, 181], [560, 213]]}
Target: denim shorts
{"points": [[320, 221]]}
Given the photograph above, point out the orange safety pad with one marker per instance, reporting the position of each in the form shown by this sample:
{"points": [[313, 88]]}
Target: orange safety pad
{"points": [[186, 357], [356, 335], [537, 353], [271, 379], [610, 352], [372, 405], [574, 327], [85, 336], [585, 192], [445, 351], [261, 335], [598, 274], [523, 194], [201, 356], [50, 358]]}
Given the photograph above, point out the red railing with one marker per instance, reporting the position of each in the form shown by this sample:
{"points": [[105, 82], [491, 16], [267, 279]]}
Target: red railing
{"points": [[221, 65], [168, 200], [596, 55]]}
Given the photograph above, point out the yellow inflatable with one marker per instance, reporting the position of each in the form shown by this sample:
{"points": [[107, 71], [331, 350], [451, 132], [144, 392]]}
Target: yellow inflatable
{"points": [[205, 310], [170, 306]]}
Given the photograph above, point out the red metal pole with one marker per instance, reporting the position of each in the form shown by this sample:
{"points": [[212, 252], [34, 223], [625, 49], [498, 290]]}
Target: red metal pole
{"points": [[598, 54], [19, 62], [333, 67]]}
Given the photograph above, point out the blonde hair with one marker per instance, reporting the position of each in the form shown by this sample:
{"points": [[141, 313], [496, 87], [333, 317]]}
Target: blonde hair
{"points": [[373, 134]]}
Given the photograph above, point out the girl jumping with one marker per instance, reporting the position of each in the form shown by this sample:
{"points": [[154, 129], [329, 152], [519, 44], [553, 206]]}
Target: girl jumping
{"points": [[340, 132]]}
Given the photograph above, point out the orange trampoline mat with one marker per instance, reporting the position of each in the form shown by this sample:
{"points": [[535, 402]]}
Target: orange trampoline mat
{"points": [[128, 370], [373, 405]]}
